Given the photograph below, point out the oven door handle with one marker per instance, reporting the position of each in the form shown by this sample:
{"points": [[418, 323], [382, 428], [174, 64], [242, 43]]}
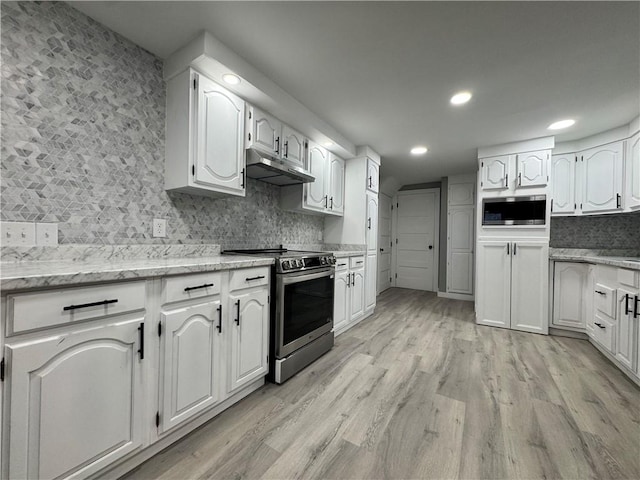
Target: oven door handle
{"points": [[309, 276]]}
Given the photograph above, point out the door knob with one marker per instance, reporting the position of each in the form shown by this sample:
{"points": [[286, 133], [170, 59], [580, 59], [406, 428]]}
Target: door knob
{"points": [[382, 249], [430, 247]]}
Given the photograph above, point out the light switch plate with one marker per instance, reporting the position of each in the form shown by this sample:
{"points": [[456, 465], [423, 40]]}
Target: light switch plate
{"points": [[17, 234], [159, 227], [47, 233]]}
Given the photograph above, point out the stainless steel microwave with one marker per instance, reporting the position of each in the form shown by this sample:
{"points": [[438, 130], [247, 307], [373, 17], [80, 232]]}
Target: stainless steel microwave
{"points": [[530, 210]]}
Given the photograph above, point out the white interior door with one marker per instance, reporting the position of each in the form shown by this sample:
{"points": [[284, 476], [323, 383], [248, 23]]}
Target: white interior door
{"points": [[417, 230], [384, 242]]}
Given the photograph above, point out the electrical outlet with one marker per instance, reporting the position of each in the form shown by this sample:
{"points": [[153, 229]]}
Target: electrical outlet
{"points": [[159, 227], [46, 233], [14, 234]]}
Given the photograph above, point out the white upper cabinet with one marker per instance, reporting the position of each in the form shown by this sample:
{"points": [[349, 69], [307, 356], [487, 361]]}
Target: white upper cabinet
{"points": [[293, 146], [372, 223], [315, 197], [563, 172], [632, 173], [495, 173], [336, 184], [602, 185], [373, 176], [461, 194], [205, 132], [263, 131], [532, 169]]}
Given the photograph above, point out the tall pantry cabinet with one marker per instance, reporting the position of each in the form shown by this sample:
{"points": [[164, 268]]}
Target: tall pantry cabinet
{"points": [[359, 224]]}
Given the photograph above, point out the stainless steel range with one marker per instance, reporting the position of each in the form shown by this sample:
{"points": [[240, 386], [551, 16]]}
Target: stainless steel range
{"points": [[302, 313]]}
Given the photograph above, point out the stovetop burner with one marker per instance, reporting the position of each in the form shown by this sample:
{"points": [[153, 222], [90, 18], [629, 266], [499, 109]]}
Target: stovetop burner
{"points": [[288, 261]]}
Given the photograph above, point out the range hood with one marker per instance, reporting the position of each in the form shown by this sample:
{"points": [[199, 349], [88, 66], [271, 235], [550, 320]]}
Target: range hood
{"points": [[277, 172]]}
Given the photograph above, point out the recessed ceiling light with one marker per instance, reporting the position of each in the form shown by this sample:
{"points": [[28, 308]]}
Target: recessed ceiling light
{"points": [[231, 79], [461, 98], [328, 144], [420, 150], [561, 124]]}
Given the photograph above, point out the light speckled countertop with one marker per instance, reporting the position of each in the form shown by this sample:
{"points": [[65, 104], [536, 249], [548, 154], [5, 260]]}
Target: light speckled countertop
{"points": [[347, 253], [614, 258], [24, 275]]}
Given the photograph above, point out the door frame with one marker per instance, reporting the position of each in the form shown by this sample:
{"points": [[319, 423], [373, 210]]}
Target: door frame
{"points": [[391, 237], [436, 233]]}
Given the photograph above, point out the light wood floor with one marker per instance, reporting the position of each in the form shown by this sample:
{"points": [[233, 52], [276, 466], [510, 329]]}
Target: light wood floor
{"points": [[420, 391]]}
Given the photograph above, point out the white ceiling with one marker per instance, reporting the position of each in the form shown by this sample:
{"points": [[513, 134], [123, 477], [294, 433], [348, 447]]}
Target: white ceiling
{"points": [[382, 73]]}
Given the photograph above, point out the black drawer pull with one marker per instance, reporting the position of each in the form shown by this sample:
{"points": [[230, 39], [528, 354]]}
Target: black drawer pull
{"points": [[204, 285], [141, 335], [238, 313], [219, 327], [627, 310], [94, 304], [248, 279], [359, 263], [636, 310], [600, 325], [342, 264], [601, 293]]}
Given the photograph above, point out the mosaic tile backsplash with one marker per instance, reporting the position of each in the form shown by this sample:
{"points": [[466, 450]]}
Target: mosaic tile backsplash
{"points": [[83, 120], [616, 231]]}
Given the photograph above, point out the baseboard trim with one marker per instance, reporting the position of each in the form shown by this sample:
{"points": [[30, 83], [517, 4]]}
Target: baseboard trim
{"points": [[616, 364], [457, 296], [561, 332], [341, 330]]}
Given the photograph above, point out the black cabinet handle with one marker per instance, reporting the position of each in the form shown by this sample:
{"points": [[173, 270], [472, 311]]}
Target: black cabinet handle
{"points": [[204, 285], [508, 248], [506, 180], [331, 200], [238, 313], [348, 280], [286, 149], [635, 306], [326, 201], [278, 145], [342, 264], [552, 204], [359, 263], [601, 293], [519, 179], [600, 325], [369, 223], [242, 173], [514, 248], [370, 181], [353, 279], [627, 310], [94, 304], [248, 279], [618, 200], [219, 327], [141, 338]]}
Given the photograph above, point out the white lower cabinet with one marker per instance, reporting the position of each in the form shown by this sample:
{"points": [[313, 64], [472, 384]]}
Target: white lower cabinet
{"points": [[349, 296], [341, 313], [512, 285], [570, 294], [190, 358], [370, 281], [249, 336], [75, 401]]}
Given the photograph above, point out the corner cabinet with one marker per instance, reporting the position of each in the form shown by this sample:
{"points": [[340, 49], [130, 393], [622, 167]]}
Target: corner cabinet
{"points": [[570, 287], [205, 137]]}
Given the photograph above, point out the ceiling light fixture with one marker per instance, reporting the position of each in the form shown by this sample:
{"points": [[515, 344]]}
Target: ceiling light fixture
{"points": [[231, 79], [461, 98], [420, 150], [559, 125], [328, 144]]}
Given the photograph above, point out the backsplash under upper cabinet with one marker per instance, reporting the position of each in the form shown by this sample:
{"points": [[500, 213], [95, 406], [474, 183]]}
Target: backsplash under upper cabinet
{"points": [[83, 142], [619, 231]]}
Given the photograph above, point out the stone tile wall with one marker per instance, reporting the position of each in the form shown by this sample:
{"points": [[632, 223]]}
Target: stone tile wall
{"points": [[83, 119], [616, 231]]}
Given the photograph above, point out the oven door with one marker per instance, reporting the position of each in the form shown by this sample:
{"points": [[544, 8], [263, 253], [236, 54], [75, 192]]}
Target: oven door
{"points": [[304, 309]]}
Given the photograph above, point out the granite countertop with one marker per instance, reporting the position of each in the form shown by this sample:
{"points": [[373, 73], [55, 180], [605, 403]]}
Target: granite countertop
{"points": [[38, 274], [624, 259], [347, 253]]}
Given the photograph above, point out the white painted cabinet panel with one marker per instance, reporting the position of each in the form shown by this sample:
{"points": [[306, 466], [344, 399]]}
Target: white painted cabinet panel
{"points": [[370, 281], [563, 180], [461, 194], [190, 347], [495, 173], [460, 273], [75, 401], [357, 292], [632, 173], [341, 314], [263, 132], [602, 185], [372, 223], [493, 286], [460, 239], [249, 328], [293, 147], [336, 184], [626, 348], [315, 197], [569, 294], [529, 292], [373, 176], [531, 169]]}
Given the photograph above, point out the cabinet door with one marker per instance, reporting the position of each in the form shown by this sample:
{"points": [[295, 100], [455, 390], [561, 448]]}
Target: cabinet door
{"points": [[75, 401], [493, 286], [625, 348], [264, 132], [460, 241], [336, 182], [315, 197], [495, 173], [189, 359], [371, 270], [249, 328], [563, 174], [341, 315], [632, 175], [372, 222], [293, 147], [461, 194], [357, 293], [532, 169], [529, 287], [219, 155], [373, 176], [602, 178], [569, 294]]}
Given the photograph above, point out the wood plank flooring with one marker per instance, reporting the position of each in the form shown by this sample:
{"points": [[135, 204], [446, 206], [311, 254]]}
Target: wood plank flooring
{"points": [[420, 391]]}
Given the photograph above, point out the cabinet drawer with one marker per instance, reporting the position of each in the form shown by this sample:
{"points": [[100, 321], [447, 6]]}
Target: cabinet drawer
{"points": [[249, 277], [604, 332], [184, 287], [342, 264], [356, 262], [604, 298], [30, 311], [630, 278]]}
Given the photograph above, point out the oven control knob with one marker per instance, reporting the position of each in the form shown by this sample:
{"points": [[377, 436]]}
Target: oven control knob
{"points": [[323, 260], [285, 265], [296, 263], [333, 260]]}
